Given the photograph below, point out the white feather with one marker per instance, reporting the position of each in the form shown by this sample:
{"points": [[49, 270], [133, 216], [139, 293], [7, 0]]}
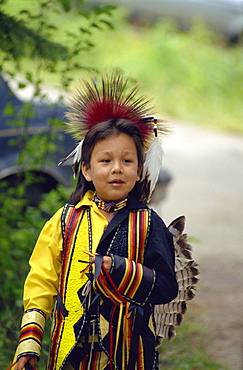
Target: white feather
{"points": [[153, 163], [76, 153]]}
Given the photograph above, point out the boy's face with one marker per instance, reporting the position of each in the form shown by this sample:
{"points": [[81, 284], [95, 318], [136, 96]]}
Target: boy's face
{"points": [[113, 167]]}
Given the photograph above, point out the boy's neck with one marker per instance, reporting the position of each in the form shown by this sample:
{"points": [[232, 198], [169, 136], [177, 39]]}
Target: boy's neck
{"points": [[108, 215], [109, 206]]}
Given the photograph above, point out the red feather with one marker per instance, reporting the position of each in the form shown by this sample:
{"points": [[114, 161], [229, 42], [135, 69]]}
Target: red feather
{"points": [[110, 98], [100, 111]]}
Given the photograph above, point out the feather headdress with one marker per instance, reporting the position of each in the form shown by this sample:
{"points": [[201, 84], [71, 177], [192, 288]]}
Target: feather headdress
{"points": [[110, 98]]}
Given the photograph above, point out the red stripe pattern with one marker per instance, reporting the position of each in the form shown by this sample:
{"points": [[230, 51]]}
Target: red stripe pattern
{"points": [[70, 228], [132, 278], [31, 331], [137, 234], [91, 361]]}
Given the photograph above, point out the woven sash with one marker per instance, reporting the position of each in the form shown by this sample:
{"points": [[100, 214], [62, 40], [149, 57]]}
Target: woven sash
{"points": [[68, 310]]}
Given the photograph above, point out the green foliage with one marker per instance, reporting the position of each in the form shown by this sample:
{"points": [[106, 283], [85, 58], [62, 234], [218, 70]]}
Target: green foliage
{"points": [[17, 40], [20, 226], [194, 76], [51, 37]]}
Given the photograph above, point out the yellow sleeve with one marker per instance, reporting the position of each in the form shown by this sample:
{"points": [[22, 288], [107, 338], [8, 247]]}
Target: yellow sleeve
{"points": [[41, 284]]}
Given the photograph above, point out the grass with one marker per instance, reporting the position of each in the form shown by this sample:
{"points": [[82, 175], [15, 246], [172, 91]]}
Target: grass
{"points": [[188, 351]]}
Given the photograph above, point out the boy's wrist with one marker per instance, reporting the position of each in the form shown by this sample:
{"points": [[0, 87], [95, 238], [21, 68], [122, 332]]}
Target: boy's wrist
{"points": [[31, 333]]}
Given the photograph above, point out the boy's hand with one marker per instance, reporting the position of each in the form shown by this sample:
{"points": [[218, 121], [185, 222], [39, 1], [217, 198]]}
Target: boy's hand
{"points": [[23, 361], [106, 262]]}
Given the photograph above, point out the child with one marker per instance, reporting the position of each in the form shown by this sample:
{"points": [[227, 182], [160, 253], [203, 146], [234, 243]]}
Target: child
{"points": [[105, 257]]}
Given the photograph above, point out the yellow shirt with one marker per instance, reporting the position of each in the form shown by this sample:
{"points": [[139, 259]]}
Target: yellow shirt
{"points": [[41, 284]]}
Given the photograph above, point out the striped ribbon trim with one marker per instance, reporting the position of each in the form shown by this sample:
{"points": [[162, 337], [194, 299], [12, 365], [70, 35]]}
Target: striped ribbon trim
{"points": [[132, 278], [140, 361], [139, 223], [73, 219], [31, 331], [91, 362]]}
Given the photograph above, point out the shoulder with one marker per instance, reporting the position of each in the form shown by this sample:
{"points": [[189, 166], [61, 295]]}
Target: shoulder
{"points": [[51, 234], [134, 204], [156, 219], [53, 225], [159, 229], [55, 219]]}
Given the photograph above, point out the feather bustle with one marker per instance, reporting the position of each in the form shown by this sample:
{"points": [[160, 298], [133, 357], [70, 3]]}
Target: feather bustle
{"points": [[171, 314]]}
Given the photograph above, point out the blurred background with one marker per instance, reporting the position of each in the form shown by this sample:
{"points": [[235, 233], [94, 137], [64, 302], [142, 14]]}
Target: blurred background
{"points": [[188, 55]]}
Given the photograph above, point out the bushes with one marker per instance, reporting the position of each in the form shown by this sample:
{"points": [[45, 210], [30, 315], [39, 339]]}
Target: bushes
{"points": [[20, 226]]}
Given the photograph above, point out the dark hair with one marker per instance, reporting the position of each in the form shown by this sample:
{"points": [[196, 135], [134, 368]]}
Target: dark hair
{"points": [[100, 132]]}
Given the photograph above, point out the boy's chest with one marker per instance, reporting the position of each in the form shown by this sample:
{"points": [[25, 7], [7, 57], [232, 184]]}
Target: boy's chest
{"points": [[129, 238]]}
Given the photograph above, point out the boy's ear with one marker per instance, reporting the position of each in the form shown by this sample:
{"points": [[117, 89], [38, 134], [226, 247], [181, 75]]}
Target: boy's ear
{"points": [[139, 173], [86, 172]]}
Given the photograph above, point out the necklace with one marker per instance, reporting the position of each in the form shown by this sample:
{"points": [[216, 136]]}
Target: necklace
{"points": [[109, 205]]}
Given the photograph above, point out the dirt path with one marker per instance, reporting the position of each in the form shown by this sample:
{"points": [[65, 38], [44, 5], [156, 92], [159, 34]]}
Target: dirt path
{"points": [[207, 186]]}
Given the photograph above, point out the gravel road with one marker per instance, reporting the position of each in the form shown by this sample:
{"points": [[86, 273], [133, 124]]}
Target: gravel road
{"points": [[207, 186]]}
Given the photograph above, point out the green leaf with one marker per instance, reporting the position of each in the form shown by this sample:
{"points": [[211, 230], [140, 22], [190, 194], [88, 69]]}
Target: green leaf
{"points": [[21, 85], [77, 65], [85, 30], [84, 14], [104, 9], [52, 27], [71, 34], [95, 25], [9, 109], [108, 8], [65, 4], [24, 11], [29, 76], [107, 23]]}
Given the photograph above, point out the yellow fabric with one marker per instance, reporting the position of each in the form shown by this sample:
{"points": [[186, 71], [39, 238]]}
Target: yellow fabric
{"points": [[41, 284], [42, 281]]}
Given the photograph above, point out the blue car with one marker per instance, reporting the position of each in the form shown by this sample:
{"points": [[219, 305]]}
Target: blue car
{"points": [[12, 138]]}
